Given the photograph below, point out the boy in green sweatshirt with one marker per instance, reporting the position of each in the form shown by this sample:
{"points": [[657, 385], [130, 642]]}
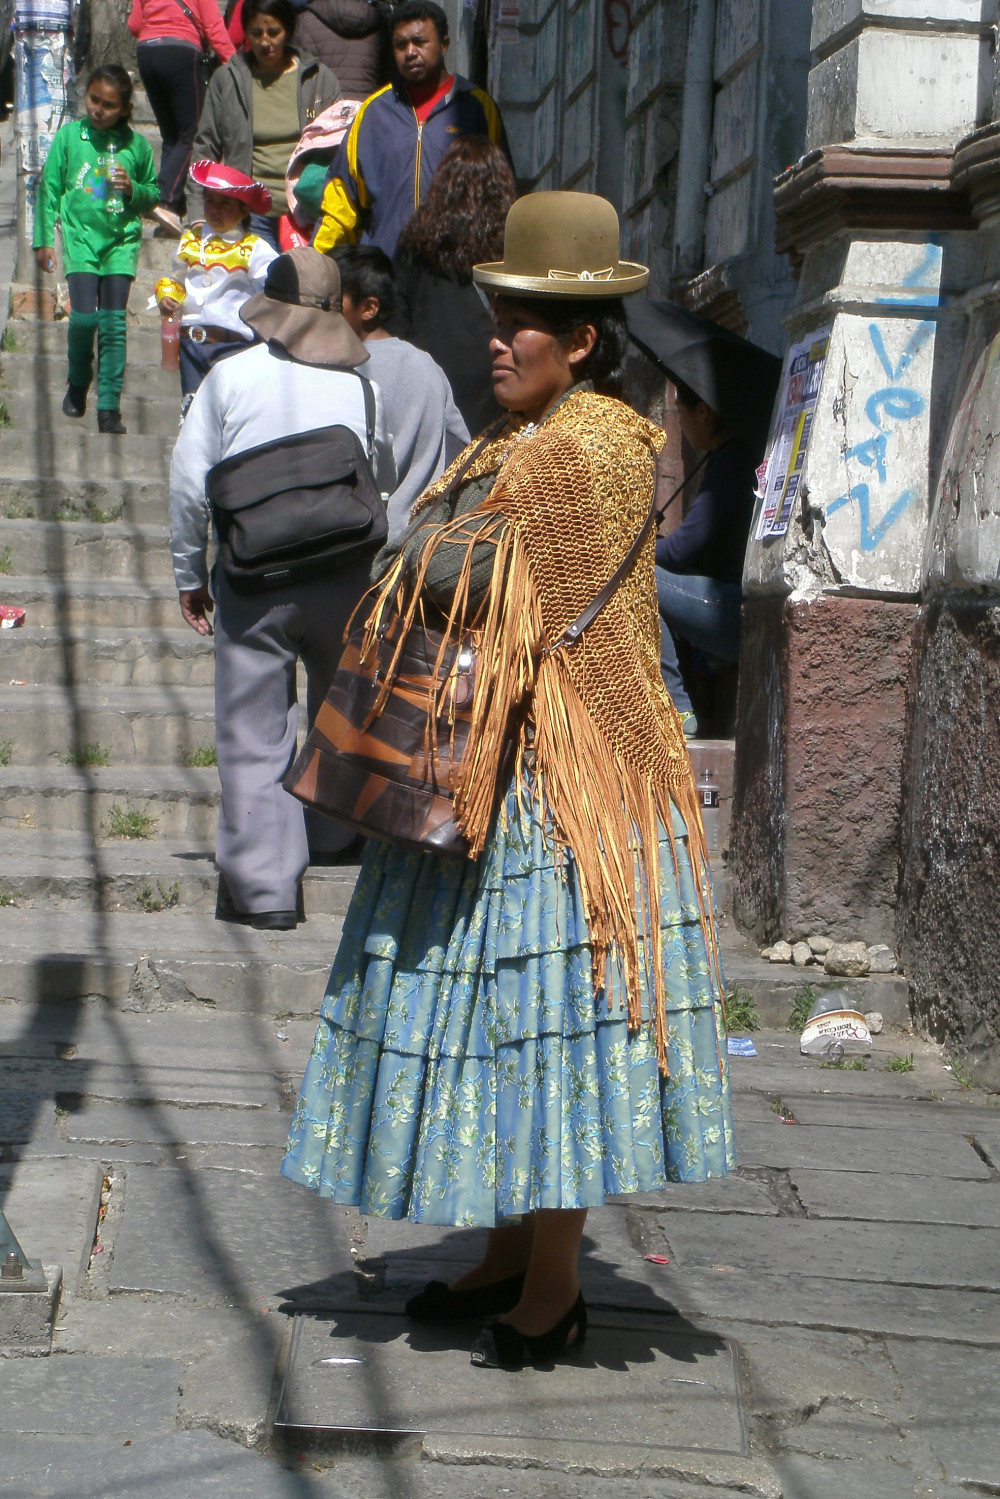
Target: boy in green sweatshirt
{"points": [[97, 180]]}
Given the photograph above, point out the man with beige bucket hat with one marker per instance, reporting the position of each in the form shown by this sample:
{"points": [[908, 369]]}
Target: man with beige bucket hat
{"points": [[264, 434]]}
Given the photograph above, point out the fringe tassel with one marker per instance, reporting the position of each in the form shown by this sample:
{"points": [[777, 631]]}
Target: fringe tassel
{"points": [[606, 811]]}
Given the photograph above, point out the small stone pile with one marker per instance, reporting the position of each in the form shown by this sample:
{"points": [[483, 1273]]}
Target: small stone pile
{"points": [[849, 960]]}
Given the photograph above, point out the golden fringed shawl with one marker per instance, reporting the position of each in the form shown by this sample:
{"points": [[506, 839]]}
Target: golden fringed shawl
{"points": [[609, 753]]}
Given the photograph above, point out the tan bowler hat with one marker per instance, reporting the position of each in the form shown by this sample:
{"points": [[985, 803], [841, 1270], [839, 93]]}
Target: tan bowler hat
{"points": [[562, 245]]}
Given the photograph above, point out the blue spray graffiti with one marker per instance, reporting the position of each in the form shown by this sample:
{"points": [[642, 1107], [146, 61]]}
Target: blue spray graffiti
{"points": [[894, 403]]}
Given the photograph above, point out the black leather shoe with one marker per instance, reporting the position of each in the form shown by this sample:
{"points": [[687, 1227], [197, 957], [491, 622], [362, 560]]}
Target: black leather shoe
{"points": [[437, 1303], [75, 401], [500, 1346], [261, 921], [111, 421]]}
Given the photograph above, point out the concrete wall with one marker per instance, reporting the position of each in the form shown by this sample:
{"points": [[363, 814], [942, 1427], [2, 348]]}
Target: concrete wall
{"points": [[951, 824], [600, 95]]}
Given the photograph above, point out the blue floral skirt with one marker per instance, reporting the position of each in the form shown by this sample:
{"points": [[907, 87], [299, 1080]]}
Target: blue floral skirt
{"points": [[464, 1071]]}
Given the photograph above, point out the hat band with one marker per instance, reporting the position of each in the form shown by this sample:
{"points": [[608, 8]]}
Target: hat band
{"points": [[605, 275], [320, 304]]}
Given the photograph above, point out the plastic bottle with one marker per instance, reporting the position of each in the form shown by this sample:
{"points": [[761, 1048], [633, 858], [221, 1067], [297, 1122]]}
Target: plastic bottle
{"points": [[170, 342], [113, 202], [708, 798]]}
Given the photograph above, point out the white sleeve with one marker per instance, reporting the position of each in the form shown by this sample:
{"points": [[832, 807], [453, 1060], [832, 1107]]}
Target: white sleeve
{"points": [[198, 448], [456, 433], [260, 258]]}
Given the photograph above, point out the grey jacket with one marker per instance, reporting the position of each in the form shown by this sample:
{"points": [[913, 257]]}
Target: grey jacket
{"points": [[225, 130]]}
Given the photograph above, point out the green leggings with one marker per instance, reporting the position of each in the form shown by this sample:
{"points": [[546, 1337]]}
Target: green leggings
{"points": [[91, 313]]}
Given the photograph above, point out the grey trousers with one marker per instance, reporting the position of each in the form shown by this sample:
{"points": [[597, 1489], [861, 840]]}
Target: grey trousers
{"points": [[265, 835]]}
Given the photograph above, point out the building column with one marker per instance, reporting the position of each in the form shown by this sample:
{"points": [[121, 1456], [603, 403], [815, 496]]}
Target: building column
{"points": [[885, 242]]}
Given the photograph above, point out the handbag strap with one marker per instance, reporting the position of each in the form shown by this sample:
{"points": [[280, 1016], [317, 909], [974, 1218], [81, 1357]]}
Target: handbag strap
{"points": [[203, 35], [573, 632]]}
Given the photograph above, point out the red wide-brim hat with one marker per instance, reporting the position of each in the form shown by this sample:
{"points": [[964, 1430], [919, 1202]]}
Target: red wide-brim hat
{"points": [[233, 184]]}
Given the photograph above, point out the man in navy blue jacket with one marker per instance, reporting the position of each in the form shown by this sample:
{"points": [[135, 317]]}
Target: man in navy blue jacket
{"points": [[385, 163], [699, 567]]}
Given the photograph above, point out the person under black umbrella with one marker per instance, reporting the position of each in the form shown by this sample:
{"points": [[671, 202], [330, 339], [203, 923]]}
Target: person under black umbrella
{"points": [[725, 394]]}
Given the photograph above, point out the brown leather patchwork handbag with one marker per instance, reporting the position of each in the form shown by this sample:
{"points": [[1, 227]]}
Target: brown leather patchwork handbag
{"points": [[384, 752], [389, 770]]}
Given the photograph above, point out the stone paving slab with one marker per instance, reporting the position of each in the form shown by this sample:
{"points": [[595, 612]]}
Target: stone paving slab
{"points": [[792, 1298], [893, 1114], [809, 1478], [988, 1139], [72, 1396], [224, 1234], [963, 1425], [898, 1199], [734, 1194], [119, 1124], [836, 1148], [141, 1082], [907, 1254], [201, 1465], [23, 1114], [183, 957], [383, 1374], [205, 1043], [54, 1206]]}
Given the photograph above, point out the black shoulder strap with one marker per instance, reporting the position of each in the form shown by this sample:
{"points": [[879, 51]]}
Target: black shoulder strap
{"points": [[369, 394], [194, 21]]}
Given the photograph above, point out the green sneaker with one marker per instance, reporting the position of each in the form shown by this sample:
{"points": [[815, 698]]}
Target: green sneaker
{"points": [[689, 724]]}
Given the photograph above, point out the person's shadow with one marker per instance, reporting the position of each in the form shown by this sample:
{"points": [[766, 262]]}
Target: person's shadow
{"points": [[632, 1322]]}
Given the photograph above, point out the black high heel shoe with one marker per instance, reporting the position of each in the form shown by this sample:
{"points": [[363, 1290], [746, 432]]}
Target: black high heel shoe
{"points": [[438, 1303], [500, 1346]]}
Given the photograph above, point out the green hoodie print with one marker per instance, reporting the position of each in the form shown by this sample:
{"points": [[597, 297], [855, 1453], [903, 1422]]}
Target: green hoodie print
{"points": [[73, 189]]}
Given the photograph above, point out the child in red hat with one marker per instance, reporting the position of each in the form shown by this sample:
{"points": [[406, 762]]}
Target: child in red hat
{"points": [[219, 264]]}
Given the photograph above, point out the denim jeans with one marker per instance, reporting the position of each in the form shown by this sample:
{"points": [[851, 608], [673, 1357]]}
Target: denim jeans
{"points": [[267, 228], [702, 611]]}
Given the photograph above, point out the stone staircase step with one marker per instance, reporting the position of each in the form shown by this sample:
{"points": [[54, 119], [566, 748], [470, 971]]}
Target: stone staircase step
{"points": [[31, 337], [57, 870], [19, 372], [93, 601], [85, 654], [153, 725], [140, 962], [76, 450], [144, 502], [85, 549], [182, 802], [40, 410]]}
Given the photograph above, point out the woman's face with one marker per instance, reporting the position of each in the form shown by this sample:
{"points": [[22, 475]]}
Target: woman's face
{"points": [[531, 367], [104, 105], [268, 41]]}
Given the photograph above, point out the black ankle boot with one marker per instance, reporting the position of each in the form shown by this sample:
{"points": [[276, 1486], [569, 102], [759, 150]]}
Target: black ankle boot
{"points": [[75, 400], [111, 421]]}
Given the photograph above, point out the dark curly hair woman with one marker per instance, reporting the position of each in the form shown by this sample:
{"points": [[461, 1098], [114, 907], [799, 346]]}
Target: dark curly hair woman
{"points": [[460, 223]]}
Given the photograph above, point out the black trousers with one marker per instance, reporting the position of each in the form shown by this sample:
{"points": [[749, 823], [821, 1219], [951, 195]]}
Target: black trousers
{"points": [[174, 79]]}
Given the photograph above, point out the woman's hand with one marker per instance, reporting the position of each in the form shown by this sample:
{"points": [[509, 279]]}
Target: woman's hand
{"points": [[196, 605], [168, 306], [45, 258], [122, 181]]}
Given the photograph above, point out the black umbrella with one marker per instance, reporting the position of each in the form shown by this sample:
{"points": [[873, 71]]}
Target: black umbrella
{"points": [[738, 379]]}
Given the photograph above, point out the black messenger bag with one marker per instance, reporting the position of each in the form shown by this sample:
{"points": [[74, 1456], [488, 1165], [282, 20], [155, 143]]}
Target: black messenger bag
{"points": [[297, 507]]}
